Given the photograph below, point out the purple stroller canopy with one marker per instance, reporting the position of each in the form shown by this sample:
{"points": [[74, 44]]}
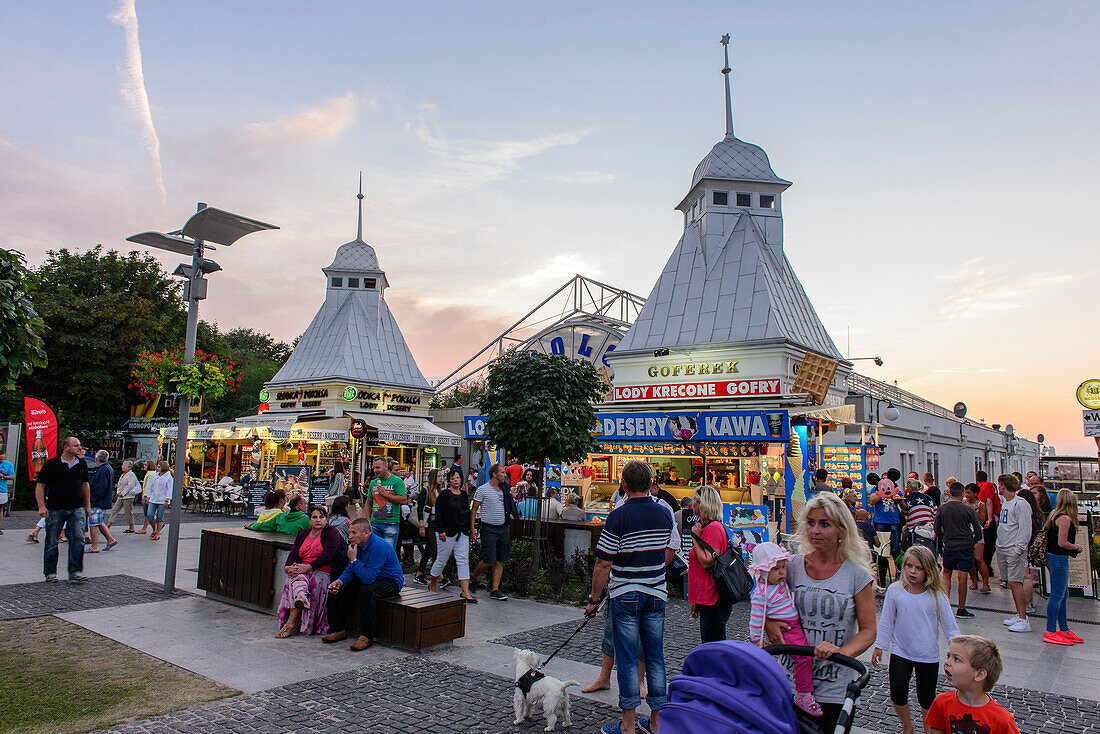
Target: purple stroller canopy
{"points": [[732, 687]]}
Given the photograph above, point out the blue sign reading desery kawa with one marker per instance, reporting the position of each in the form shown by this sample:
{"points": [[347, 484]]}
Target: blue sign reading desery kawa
{"points": [[713, 425], [731, 425]]}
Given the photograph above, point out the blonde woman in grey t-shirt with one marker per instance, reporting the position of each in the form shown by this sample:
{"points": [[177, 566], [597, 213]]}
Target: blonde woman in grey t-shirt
{"points": [[832, 585]]}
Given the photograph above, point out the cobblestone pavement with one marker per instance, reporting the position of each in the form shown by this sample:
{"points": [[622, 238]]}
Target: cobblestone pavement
{"points": [[20, 601], [411, 694], [1035, 711]]}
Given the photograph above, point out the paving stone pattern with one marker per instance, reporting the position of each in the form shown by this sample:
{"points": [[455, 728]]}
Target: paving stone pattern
{"points": [[38, 599], [411, 694], [1034, 711]]}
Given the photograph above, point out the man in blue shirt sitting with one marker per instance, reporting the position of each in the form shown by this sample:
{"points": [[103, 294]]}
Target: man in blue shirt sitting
{"points": [[373, 573]]}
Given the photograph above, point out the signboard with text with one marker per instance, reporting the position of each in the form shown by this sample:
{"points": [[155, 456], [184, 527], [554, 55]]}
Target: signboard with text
{"points": [[1092, 423], [696, 390], [732, 425]]}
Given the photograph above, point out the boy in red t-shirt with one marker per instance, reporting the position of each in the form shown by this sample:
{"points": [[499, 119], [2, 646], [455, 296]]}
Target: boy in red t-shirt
{"points": [[973, 666]]}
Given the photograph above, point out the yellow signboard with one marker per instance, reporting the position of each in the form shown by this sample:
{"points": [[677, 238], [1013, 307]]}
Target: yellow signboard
{"points": [[1088, 394]]}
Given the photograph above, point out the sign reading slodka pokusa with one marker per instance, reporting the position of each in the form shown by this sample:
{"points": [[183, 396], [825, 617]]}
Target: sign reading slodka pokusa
{"points": [[688, 390]]}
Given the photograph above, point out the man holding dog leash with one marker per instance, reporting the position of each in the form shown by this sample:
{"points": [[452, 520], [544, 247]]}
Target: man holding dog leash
{"points": [[631, 556]]}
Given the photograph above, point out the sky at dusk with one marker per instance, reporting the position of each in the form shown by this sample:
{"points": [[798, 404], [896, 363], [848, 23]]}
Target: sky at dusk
{"points": [[943, 155]]}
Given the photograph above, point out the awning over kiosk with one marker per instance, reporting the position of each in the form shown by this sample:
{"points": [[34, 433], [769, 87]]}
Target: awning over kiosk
{"points": [[840, 414], [408, 429], [228, 430]]}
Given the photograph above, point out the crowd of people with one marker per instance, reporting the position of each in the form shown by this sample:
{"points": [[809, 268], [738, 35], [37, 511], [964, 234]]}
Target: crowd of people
{"points": [[78, 505], [824, 594], [821, 592]]}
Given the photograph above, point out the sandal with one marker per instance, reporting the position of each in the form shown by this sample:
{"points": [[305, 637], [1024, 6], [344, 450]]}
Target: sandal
{"points": [[615, 727], [287, 630]]}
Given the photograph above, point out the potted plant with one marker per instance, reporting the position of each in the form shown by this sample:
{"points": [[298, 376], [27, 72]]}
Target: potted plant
{"points": [[208, 375]]}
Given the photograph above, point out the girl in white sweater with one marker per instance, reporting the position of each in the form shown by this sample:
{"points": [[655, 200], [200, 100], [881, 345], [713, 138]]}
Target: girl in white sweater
{"points": [[914, 612]]}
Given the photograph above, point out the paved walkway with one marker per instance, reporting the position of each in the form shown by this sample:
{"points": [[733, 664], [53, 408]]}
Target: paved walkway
{"points": [[302, 685]]}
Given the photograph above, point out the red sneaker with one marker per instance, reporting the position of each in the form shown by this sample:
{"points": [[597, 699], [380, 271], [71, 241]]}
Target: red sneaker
{"points": [[1055, 638], [1071, 636]]}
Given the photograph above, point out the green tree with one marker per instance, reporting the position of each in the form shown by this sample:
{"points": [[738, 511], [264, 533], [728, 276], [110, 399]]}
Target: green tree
{"points": [[101, 310], [21, 346], [540, 406], [467, 392]]}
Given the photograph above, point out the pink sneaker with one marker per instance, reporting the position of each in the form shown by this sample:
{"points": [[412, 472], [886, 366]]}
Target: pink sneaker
{"points": [[807, 703]]}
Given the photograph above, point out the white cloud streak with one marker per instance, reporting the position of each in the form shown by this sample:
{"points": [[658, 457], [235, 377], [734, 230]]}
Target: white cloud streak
{"points": [[471, 163], [323, 122], [976, 290], [133, 87]]}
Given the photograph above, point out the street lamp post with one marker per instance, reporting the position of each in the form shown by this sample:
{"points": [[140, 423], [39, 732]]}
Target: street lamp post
{"points": [[224, 228]]}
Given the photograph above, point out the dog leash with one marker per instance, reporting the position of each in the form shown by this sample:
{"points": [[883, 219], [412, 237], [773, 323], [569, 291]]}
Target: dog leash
{"points": [[534, 675], [570, 637]]}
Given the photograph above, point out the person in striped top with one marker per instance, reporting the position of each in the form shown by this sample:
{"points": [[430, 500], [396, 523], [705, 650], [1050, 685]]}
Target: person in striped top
{"points": [[920, 515], [771, 599], [631, 556]]}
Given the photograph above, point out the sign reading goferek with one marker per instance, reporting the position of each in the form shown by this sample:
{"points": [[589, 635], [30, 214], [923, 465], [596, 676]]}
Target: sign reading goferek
{"points": [[688, 390]]}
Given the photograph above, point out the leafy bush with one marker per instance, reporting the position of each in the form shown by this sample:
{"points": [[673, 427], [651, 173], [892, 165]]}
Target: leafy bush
{"points": [[521, 571], [581, 565]]}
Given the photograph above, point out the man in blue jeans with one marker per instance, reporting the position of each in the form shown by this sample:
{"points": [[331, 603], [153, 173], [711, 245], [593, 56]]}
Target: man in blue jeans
{"points": [[64, 499], [631, 556], [385, 495]]}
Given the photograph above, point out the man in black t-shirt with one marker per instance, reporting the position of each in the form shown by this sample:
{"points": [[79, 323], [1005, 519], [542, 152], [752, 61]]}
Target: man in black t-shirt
{"points": [[64, 499]]}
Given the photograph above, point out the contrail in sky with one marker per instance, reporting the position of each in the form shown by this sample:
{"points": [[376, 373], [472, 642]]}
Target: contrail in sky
{"points": [[133, 86]]}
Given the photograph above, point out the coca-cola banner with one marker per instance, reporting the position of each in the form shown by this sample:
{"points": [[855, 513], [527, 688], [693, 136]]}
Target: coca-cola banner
{"points": [[41, 434]]}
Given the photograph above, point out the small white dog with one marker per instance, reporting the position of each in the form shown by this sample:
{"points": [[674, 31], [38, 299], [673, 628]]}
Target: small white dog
{"points": [[549, 690]]}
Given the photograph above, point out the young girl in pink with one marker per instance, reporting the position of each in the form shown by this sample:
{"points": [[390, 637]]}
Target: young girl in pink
{"points": [[771, 599]]}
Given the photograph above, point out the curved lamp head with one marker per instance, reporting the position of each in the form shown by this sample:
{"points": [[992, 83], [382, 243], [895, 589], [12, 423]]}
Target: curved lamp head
{"points": [[222, 227]]}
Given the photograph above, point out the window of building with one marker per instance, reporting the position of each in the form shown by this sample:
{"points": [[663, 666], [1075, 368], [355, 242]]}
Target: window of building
{"points": [[767, 201], [369, 283], [337, 282], [721, 198], [353, 282], [744, 200]]}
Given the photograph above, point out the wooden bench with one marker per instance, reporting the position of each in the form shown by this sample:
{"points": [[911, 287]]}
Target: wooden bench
{"points": [[245, 568]]}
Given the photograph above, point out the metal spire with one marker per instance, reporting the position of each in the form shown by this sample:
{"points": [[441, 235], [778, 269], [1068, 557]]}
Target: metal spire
{"points": [[359, 231], [726, 73]]}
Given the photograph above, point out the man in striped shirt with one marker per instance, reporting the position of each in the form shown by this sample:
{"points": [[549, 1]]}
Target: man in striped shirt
{"points": [[631, 556]]}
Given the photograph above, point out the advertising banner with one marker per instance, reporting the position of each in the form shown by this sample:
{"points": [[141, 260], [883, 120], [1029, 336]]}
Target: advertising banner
{"points": [[41, 434], [747, 526], [292, 478], [160, 411], [731, 425], [9, 445]]}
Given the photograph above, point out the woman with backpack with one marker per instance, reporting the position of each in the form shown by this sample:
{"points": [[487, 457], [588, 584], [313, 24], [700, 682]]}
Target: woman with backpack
{"points": [[702, 589]]}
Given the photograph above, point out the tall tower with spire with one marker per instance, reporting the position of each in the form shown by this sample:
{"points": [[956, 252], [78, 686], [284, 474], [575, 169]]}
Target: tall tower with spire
{"points": [[728, 279], [353, 337]]}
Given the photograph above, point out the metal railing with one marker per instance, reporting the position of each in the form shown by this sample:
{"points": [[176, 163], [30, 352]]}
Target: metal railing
{"points": [[883, 391]]}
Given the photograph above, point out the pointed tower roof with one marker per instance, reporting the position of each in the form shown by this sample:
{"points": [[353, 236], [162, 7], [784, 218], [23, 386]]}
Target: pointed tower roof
{"points": [[732, 159], [354, 336], [726, 281], [743, 291]]}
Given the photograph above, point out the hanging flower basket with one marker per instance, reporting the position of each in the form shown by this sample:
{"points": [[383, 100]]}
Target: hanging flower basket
{"points": [[209, 376]]}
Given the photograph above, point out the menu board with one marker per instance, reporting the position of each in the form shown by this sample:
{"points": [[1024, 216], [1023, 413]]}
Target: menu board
{"points": [[318, 488], [256, 492], [853, 462]]}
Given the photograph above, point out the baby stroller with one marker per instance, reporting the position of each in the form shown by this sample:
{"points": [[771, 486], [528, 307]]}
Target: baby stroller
{"points": [[738, 688]]}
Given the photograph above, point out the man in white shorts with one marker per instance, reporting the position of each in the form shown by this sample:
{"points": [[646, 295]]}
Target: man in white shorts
{"points": [[1013, 535]]}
